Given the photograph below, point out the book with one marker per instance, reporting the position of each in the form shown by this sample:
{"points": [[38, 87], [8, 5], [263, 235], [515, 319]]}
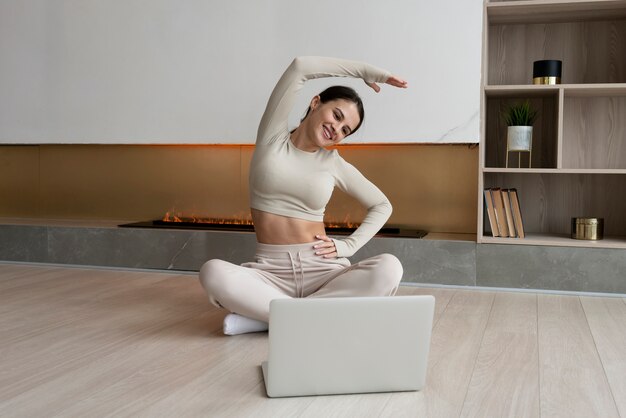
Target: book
{"points": [[508, 213], [517, 213], [490, 213], [498, 204]]}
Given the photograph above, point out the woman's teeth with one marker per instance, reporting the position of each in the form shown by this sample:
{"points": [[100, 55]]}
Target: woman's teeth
{"points": [[327, 133]]}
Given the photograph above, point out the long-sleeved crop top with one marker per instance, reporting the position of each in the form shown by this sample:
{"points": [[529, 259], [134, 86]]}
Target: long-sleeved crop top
{"points": [[287, 181]]}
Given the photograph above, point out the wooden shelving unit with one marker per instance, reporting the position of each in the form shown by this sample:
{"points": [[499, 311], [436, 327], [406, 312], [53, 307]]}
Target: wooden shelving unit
{"points": [[579, 139]]}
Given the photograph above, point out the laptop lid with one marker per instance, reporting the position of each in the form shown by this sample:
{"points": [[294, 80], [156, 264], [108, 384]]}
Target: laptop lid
{"points": [[348, 345]]}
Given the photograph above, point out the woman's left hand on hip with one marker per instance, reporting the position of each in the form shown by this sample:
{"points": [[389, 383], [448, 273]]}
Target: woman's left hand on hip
{"points": [[326, 248]]}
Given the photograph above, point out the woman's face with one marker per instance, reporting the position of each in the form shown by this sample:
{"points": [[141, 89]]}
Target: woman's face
{"points": [[329, 123]]}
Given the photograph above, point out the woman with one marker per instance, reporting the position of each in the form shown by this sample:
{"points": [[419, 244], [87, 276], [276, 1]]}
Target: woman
{"points": [[292, 176]]}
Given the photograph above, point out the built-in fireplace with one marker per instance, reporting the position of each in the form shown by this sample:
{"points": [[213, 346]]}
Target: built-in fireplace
{"points": [[178, 221], [77, 195]]}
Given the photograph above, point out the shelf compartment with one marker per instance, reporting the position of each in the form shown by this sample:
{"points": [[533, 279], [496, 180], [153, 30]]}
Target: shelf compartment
{"points": [[544, 143], [526, 90], [556, 170], [558, 241], [594, 132], [570, 90], [595, 90], [548, 201], [591, 51], [554, 11]]}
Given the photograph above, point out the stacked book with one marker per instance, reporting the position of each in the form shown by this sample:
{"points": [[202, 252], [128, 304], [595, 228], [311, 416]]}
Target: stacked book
{"points": [[504, 213]]}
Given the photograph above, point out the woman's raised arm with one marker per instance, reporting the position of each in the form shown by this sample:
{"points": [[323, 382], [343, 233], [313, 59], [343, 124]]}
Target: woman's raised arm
{"points": [[306, 68]]}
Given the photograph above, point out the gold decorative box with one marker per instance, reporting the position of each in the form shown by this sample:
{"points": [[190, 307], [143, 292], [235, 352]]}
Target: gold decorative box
{"points": [[588, 228]]}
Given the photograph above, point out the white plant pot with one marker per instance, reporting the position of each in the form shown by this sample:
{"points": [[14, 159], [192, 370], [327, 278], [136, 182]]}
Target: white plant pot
{"points": [[519, 138]]}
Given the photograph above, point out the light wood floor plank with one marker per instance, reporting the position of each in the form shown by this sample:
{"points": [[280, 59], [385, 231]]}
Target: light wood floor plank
{"points": [[19, 274], [407, 405], [505, 382], [216, 391], [127, 376], [139, 375], [454, 347], [365, 405], [442, 297], [56, 285], [10, 269], [55, 312], [256, 404], [104, 328], [88, 342], [11, 284], [572, 380], [607, 320]]}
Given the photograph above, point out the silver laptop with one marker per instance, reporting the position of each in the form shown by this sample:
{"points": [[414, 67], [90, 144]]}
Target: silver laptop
{"points": [[348, 345]]}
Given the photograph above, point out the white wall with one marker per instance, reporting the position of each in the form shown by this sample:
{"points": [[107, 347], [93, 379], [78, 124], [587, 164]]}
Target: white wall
{"points": [[200, 71]]}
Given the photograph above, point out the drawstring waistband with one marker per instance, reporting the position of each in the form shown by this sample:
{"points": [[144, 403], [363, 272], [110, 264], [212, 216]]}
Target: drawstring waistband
{"points": [[300, 283], [281, 251], [292, 252]]}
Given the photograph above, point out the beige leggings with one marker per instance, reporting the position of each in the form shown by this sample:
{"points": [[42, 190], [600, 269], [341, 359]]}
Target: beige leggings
{"points": [[288, 271]]}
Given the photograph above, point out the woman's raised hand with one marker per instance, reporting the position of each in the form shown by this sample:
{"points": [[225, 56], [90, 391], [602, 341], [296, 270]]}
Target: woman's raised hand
{"points": [[397, 82], [392, 81]]}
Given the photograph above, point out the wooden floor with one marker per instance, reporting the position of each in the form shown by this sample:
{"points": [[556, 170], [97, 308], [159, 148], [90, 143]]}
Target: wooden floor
{"points": [[88, 342]]}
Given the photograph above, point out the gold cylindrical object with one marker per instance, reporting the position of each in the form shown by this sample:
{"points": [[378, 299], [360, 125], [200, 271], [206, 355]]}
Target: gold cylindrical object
{"points": [[547, 80], [588, 228]]}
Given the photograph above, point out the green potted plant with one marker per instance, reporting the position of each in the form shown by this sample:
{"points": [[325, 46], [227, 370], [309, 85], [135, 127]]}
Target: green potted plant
{"points": [[519, 118]]}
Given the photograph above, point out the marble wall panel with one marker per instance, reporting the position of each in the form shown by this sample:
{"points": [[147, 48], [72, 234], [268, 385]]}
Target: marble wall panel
{"points": [[428, 261], [235, 247], [425, 261], [114, 247], [23, 243], [147, 248], [554, 268]]}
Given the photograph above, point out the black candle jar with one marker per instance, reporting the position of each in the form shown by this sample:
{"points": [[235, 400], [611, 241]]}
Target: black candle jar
{"points": [[547, 72]]}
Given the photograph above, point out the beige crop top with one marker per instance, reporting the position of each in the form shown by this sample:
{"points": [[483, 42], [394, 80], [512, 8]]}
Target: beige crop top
{"points": [[287, 181]]}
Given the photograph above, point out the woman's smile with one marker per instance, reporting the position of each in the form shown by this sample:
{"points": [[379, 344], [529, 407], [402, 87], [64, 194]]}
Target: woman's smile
{"points": [[327, 133]]}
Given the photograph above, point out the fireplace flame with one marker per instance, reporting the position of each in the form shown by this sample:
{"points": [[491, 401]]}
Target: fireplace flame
{"points": [[179, 217]]}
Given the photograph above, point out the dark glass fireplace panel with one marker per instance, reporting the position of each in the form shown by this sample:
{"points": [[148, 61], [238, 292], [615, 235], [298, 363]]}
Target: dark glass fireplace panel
{"points": [[330, 230]]}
